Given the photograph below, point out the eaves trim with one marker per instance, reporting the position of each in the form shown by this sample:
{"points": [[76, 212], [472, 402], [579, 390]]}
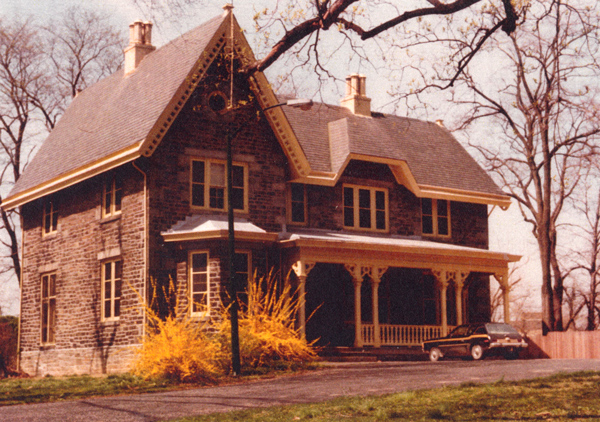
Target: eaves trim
{"points": [[75, 176], [219, 234]]}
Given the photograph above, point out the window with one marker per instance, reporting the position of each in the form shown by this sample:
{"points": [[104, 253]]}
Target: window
{"points": [[297, 203], [365, 208], [199, 283], [242, 268], [435, 216], [209, 185], [112, 195], [50, 219], [48, 308], [112, 272]]}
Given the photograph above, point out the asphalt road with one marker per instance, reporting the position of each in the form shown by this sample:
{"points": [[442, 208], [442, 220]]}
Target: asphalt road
{"points": [[345, 379]]}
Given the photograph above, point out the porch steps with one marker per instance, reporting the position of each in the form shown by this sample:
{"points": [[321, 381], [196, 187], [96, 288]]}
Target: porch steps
{"points": [[371, 354]]}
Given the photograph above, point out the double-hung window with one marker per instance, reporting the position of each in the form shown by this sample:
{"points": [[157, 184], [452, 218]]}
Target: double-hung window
{"points": [[365, 208], [297, 203], [435, 217], [50, 218], [199, 282], [111, 197], [48, 308], [209, 185], [112, 274]]}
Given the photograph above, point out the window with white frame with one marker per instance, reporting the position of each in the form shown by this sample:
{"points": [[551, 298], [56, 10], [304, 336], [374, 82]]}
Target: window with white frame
{"points": [[199, 282], [48, 308], [297, 203], [209, 185], [112, 274], [50, 217], [365, 208], [435, 217], [111, 197]]}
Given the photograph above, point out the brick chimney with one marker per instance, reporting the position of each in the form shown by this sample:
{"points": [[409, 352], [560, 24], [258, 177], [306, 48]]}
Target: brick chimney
{"points": [[356, 99], [140, 44]]}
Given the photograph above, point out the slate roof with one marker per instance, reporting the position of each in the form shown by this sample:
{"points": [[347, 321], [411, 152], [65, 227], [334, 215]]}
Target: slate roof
{"points": [[118, 111], [328, 134]]}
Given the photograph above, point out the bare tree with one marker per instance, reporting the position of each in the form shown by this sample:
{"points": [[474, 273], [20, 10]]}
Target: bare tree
{"points": [[40, 70], [298, 25], [543, 105], [585, 270]]}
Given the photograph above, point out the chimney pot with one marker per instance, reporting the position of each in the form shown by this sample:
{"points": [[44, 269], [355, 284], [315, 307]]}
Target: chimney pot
{"points": [[140, 44], [356, 99]]}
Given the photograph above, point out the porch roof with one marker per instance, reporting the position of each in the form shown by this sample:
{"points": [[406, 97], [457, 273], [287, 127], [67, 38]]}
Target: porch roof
{"points": [[202, 227], [395, 251]]}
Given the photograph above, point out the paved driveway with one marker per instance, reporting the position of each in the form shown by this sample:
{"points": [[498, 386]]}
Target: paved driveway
{"points": [[336, 380]]}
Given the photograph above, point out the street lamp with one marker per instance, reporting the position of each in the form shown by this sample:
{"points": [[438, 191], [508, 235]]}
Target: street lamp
{"points": [[236, 366]]}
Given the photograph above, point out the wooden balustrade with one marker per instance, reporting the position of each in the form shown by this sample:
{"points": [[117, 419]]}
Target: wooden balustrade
{"points": [[401, 335]]}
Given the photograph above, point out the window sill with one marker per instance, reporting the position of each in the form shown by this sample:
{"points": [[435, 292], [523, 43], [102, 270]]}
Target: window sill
{"points": [[110, 323], [47, 346], [109, 218], [48, 236]]}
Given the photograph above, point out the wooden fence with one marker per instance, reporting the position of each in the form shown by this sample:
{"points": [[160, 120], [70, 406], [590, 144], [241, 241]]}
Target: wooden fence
{"points": [[564, 345]]}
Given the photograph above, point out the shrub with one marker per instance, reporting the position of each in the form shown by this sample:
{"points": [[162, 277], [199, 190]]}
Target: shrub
{"points": [[176, 347], [268, 338], [8, 345]]}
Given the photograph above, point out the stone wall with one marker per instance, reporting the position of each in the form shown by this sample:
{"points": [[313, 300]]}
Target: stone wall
{"points": [[75, 253]]}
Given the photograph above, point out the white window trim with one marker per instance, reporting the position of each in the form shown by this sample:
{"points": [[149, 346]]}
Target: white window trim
{"points": [[289, 205], [207, 163], [356, 226], [435, 220], [49, 203], [113, 279], [191, 292], [42, 299], [113, 197]]}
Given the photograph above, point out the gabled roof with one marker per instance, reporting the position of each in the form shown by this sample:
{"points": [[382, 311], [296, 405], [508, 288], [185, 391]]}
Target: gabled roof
{"points": [[124, 117], [121, 117], [423, 156]]}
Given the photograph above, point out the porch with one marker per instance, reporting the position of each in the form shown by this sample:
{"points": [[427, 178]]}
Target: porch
{"points": [[401, 335], [389, 292]]}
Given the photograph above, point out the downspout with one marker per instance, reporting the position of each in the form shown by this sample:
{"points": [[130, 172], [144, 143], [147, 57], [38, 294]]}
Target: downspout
{"points": [[20, 294], [145, 259]]}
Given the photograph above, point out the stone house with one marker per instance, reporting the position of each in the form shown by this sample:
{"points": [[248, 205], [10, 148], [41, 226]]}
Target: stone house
{"points": [[382, 221]]}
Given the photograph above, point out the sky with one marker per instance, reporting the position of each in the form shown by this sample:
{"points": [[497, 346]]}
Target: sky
{"points": [[508, 232]]}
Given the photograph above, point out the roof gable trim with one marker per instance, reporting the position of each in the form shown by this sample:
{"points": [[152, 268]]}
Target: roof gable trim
{"points": [[78, 175]]}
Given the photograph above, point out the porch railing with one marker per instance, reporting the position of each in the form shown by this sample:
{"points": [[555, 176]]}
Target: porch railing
{"points": [[401, 335]]}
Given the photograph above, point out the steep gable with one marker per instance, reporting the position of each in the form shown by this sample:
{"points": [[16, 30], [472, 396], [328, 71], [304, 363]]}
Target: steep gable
{"points": [[121, 117]]}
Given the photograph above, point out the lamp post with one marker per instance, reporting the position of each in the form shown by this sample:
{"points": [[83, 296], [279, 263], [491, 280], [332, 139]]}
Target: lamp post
{"points": [[233, 287]]}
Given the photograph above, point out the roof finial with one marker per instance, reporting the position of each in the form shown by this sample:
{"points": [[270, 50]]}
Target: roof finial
{"points": [[228, 8]]}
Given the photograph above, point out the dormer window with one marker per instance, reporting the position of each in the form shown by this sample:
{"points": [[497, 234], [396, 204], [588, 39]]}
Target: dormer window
{"points": [[112, 195], [435, 217], [365, 208], [50, 218], [209, 185]]}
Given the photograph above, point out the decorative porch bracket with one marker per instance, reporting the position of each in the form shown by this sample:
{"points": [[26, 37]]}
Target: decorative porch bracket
{"points": [[443, 277], [302, 268], [358, 272], [502, 279]]}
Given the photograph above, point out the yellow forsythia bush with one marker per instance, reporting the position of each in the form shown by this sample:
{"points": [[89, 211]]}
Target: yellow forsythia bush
{"points": [[176, 347], [185, 350], [268, 338]]}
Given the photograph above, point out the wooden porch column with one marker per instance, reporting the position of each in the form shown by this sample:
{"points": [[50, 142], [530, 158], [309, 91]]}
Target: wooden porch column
{"points": [[441, 275], [376, 274], [459, 280], [502, 279], [357, 278], [301, 269]]}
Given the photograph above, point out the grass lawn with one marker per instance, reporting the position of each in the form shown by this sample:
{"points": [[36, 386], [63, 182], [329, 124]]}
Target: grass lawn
{"points": [[572, 397], [50, 389]]}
